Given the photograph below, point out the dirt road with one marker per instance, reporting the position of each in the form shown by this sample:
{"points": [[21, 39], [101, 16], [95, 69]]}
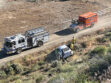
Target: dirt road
{"points": [[60, 37]]}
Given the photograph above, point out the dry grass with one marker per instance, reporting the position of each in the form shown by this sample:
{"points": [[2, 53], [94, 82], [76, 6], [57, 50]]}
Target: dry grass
{"points": [[36, 62]]}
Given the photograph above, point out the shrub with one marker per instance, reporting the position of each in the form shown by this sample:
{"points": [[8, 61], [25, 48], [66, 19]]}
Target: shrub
{"points": [[109, 50], [41, 63], [96, 65], [13, 69], [101, 31], [78, 47], [17, 68], [15, 78], [100, 50], [2, 74], [81, 78], [105, 39], [56, 64], [39, 79], [87, 43], [102, 40], [84, 44], [108, 34], [35, 67], [9, 70], [108, 58]]}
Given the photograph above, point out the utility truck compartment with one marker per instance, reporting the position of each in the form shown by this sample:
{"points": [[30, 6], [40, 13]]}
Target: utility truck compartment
{"points": [[88, 18]]}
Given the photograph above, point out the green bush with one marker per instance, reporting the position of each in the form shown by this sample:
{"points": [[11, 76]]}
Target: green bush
{"points": [[17, 68], [109, 50], [35, 67], [108, 58], [9, 70], [13, 69], [39, 79], [105, 39], [2, 74], [102, 40], [41, 63], [14, 78], [81, 78], [56, 64], [100, 50], [97, 65], [108, 34]]}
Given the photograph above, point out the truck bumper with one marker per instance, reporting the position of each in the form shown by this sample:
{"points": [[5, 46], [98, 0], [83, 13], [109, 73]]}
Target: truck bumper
{"points": [[8, 51]]}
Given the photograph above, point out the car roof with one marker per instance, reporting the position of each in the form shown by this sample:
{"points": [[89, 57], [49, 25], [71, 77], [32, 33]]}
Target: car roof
{"points": [[62, 47]]}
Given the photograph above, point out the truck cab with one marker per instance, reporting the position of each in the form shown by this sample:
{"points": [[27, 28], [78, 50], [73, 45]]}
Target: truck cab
{"points": [[13, 44], [63, 52], [84, 21]]}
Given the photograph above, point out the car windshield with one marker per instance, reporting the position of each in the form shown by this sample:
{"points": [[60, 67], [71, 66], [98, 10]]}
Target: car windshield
{"points": [[65, 49], [9, 44]]}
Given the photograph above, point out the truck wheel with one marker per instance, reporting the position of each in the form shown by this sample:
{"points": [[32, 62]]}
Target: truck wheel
{"points": [[40, 43], [91, 25], [77, 30], [19, 50]]}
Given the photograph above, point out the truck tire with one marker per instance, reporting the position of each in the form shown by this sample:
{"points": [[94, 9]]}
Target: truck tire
{"points": [[77, 30], [19, 50], [40, 43], [91, 25]]}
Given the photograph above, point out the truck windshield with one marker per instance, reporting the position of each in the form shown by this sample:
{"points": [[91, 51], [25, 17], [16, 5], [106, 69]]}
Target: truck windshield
{"points": [[65, 49], [9, 44]]}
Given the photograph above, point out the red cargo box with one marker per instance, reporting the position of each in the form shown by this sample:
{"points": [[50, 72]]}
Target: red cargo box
{"points": [[88, 19]]}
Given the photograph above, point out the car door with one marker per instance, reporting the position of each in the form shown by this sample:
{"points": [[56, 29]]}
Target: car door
{"points": [[22, 43]]}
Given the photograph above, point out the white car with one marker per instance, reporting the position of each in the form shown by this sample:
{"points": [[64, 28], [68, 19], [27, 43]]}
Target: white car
{"points": [[63, 51]]}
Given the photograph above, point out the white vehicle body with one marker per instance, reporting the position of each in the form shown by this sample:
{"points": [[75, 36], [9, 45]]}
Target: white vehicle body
{"points": [[19, 42], [64, 51]]}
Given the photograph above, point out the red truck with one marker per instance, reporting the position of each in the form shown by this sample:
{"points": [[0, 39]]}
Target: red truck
{"points": [[84, 21]]}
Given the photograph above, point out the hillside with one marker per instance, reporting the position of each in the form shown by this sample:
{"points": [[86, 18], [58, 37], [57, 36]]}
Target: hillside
{"points": [[91, 61]]}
